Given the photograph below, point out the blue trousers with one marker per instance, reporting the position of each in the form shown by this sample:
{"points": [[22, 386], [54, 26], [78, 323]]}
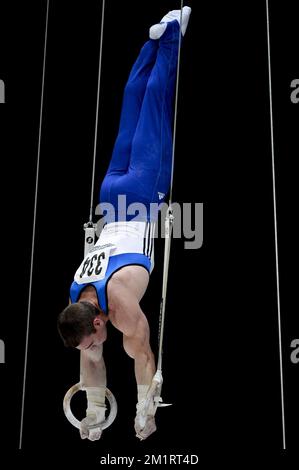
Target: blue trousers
{"points": [[140, 166]]}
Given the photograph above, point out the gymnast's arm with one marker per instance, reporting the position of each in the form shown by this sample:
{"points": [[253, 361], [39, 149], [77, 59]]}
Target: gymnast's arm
{"points": [[125, 290], [93, 379], [124, 294], [92, 367]]}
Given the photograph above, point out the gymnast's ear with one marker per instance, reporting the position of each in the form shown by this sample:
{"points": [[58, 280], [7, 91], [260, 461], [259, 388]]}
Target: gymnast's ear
{"points": [[97, 321]]}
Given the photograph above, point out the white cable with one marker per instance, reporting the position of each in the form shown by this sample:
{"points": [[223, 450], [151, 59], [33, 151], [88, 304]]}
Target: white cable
{"points": [[169, 222], [97, 113], [176, 106], [34, 229], [275, 231]]}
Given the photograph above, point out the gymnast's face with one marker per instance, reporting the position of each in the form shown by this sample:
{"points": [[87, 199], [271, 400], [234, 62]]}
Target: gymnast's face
{"points": [[94, 340]]}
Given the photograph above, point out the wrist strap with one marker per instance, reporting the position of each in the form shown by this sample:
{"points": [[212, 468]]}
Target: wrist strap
{"points": [[96, 396]]}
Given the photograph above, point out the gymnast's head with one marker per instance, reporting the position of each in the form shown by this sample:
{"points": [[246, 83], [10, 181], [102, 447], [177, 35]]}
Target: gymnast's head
{"points": [[82, 325]]}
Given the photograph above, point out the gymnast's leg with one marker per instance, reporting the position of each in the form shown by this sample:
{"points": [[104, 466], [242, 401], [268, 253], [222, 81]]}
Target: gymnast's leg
{"points": [[141, 162], [148, 178], [132, 101]]}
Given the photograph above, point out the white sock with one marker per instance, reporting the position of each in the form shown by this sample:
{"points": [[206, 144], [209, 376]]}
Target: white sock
{"points": [[157, 30]]}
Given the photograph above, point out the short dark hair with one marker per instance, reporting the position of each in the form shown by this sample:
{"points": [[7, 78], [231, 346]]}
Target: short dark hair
{"points": [[75, 322]]}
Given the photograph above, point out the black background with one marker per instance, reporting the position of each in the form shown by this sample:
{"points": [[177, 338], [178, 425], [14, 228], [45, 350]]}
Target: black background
{"points": [[221, 352]]}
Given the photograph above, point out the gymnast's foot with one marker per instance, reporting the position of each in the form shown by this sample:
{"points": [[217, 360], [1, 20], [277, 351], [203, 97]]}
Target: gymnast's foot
{"points": [[157, 30]]}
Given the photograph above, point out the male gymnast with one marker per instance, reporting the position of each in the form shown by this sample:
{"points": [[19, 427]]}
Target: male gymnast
{"points": [[113, 277]]}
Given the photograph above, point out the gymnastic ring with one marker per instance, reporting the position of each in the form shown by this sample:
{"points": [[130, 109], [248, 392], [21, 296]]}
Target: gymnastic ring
{"points": [[74, 421]]}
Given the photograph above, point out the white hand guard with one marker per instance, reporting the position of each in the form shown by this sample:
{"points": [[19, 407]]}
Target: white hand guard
{"points": [[95, 413], [146, 408]]}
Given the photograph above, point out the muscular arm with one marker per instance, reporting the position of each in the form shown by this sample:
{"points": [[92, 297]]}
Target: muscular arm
{"points": [[125, 290], [92, 367], [124, 294], [131, 279], [93, 379]]}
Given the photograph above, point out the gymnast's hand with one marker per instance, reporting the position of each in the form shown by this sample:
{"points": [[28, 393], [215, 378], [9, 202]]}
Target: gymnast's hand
{"points": [[94, 415]]}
